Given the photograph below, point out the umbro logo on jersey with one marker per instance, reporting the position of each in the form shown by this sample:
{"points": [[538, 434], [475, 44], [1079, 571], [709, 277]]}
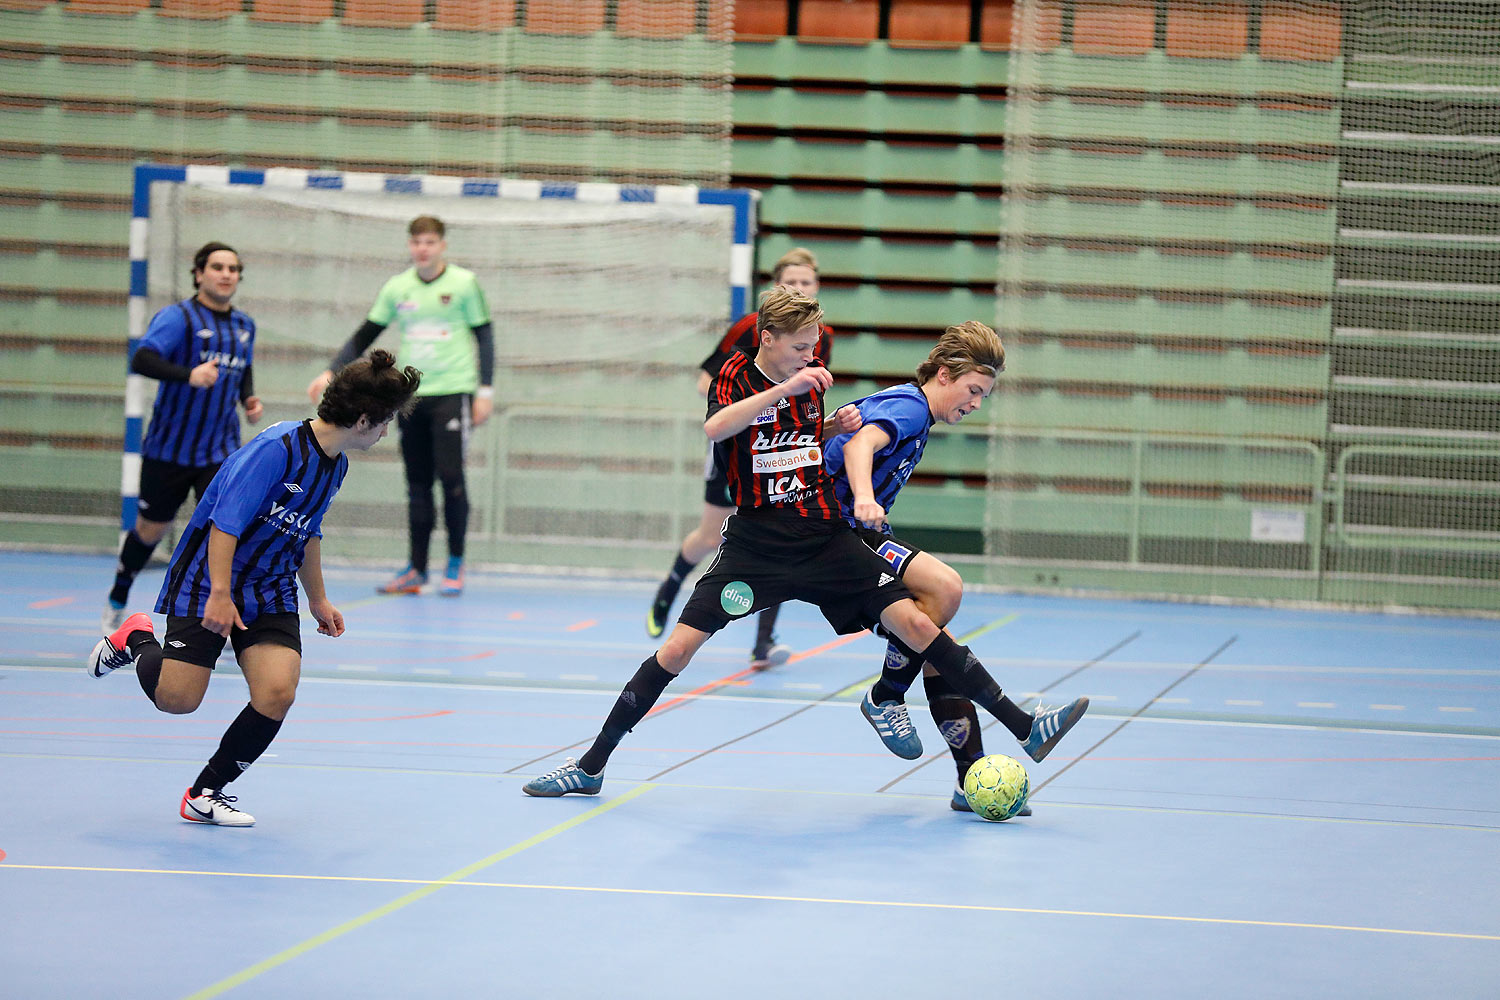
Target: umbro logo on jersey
{"points": [[885, 578], [176, 643], [291, 487], [206, 334]]}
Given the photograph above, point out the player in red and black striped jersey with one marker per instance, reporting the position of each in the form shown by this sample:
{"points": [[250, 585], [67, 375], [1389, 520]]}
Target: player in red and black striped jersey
{"points": [[788, 541], [797, 268]]}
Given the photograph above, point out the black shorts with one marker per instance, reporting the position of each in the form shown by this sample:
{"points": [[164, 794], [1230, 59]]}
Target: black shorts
{"points": [[893, 550], [715, 482], [200, 646], [765, 561], [165, 485]]}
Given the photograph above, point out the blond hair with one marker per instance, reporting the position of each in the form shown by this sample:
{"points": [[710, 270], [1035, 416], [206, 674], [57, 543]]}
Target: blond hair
{"points": [[785, 310], [795, 257], [967, 347]]}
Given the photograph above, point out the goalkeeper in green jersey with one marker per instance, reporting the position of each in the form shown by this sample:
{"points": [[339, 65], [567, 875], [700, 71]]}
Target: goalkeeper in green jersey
{"points": [[444, 325]]}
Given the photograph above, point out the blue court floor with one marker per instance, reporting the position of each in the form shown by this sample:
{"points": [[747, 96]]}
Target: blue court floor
{"points": [[1260, 802]]}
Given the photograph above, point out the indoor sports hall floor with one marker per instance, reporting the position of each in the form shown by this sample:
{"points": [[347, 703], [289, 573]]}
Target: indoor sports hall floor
{"points": [[1259, 803]]}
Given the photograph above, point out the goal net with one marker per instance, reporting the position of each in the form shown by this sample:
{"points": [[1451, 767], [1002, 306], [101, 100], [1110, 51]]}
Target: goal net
{"points": [[603, 300]]}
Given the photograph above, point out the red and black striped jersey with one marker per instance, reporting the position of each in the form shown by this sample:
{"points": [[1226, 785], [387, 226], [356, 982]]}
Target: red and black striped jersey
{"points": [[775, 464], [741, 337]]}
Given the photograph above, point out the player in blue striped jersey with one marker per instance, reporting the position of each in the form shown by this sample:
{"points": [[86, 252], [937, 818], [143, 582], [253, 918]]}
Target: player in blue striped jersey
{"points": [[257, 529], [199, 350], [869, 467]]}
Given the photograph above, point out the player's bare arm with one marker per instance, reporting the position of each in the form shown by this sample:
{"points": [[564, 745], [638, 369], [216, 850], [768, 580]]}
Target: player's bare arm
{"points": [[330, 620], [220, 616], [859, 462]]}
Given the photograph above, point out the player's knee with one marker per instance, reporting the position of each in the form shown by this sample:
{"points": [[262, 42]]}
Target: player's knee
{"points": [[909, 623], [151, 532], [274, 701], [948, 593], [177, 702]]}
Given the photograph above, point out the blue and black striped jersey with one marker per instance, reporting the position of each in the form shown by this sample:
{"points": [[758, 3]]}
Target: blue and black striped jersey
{"points": [[271, 495], [902, 411], [191, 426]]}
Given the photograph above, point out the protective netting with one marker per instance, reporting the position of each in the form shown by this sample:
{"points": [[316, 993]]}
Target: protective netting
{"points": [[601, 312], [1248, 282]]}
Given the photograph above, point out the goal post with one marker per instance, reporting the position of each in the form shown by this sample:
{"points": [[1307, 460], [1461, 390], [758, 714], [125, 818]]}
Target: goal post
{"points": [[603, 299]]}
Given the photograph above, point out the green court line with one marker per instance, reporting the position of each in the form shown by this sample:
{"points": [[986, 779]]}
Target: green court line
{"points": [[859, 686], [431, 887], [297, 950]]}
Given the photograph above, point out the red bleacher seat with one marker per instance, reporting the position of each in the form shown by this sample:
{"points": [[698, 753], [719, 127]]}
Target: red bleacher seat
{"points": [[564, 17], [1207, 30], [292, 11], [1121, 28], [852, 22], [1300, 31], [200, 10], [929, 23], [474, 15], [384, 13]]}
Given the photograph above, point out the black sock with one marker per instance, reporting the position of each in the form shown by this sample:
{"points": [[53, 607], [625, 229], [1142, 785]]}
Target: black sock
{"points": [[969, 678], [148, 669], [640, 693], [956, 720], [456, 518], [134, 554], [902, 664], [244, 741], [147, 654], [765, 628], [667, 592], [421, 517]]}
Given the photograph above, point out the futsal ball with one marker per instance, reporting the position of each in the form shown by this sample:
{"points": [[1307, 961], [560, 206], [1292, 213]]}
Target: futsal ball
{"points": [[996, 787]]}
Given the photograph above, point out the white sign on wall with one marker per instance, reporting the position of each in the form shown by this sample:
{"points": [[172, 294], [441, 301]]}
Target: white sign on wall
{"points": [[1278, 525]]}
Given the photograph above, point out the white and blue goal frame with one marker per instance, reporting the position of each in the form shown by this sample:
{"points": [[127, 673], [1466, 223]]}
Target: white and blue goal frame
{"points": [[137, 387]]}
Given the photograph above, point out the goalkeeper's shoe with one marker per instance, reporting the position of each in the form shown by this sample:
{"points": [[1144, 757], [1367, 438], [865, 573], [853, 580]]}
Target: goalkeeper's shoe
{"points": [[113, 651], [408, 581], [452, 584], [565, 780], [1050, 725], [960, 803]]}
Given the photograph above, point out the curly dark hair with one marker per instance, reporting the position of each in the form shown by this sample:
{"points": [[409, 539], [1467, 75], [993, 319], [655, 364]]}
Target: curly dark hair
{"points": [[371, 386]]}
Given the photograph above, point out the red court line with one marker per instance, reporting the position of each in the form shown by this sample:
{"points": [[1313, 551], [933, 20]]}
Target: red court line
{"points": [[51, 602], [580, 626], [748, 671]]}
